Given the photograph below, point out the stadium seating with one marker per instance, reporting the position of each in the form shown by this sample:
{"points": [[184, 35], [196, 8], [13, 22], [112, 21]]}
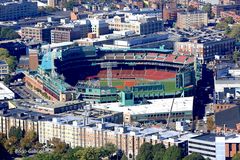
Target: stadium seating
{"points": [[149, 74], [170, 58], [190, 60], [180, 59]]}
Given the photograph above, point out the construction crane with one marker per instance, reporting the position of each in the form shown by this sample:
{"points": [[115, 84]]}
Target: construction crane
{"points": [[170, 112]]}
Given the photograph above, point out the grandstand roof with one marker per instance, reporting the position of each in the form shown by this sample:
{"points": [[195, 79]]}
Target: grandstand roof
{"points": [[155, 106]]}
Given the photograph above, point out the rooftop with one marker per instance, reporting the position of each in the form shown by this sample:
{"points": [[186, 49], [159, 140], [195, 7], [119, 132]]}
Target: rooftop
{"points": [[154, 106]]}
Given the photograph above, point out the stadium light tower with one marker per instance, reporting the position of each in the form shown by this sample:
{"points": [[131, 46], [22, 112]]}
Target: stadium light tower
{"points": [[109, 66]]}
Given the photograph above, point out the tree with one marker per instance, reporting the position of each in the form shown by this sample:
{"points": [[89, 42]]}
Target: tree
{"points": [[124, 157], [145, 152], [208, 9], [70, 4], [58, 146], [235, 32], [173, 153], [229, 20], [194, 156], [16, 132], [89, 153], [236, 56], [236, 156], [7, 33], [210, 123], [158, 151], [11, 144], [10, 60], [29, 140], [107, 150], [222, 26]]}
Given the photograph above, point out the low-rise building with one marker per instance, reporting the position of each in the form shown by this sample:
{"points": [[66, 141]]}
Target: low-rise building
{"points": [[155, 110], [46, 107], [89, 133], [215, 147], [206, 48], [40, 32], [191, 19], [140, 24], [16, 10], [70, 32]]}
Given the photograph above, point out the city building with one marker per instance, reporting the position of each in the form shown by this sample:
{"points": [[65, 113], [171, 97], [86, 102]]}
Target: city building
{"points": [[234, 14], [186, 20], [15, 47], [217, 9], [140, 24], [154, 110], [40, 32], [89, 133], [46, 107], [33, 59], [228, 120], [70, 32], [206, 48], [141, 41], [5, 93], [4, 70], [99, 27], [215, 147], [26, 120], [17, 10], [170, 11]]}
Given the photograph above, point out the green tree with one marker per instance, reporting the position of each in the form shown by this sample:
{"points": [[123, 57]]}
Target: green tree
{"points": [[7, 79], [208, 9], [173, 153], [222, 26], [7, 33], [10, 60], [90, 153], [11, 144], [107, 150], [124, 157], [236, 156], [58, 146], [145, 152], [236, 56], [16, 132], [158, 151], [194, 156], [235, 32], [29, 140], [229, 20]]}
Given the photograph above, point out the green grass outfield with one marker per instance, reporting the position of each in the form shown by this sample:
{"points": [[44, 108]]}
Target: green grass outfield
{"points": [[170, 85]]}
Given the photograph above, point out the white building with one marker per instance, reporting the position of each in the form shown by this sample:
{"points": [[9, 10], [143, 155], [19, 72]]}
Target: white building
{"points": [[5, 93], [155, 110], [215, 147]]}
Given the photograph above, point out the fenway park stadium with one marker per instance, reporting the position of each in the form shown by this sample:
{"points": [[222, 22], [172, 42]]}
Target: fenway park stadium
{"points": [[102, 75]]}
